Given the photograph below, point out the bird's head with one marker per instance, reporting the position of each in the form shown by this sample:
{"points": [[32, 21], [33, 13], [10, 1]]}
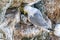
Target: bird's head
{"points": [[25, 12], [28, 9], [22, 6]]}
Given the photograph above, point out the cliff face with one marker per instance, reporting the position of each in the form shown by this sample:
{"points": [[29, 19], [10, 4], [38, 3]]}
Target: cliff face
{"points": [[14, 25]]}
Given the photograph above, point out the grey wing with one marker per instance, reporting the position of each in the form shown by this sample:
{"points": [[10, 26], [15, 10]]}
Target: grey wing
{"points": [[38, 20]]}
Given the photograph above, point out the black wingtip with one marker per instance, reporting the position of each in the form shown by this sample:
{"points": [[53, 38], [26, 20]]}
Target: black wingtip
{"points": [[51, 29]]}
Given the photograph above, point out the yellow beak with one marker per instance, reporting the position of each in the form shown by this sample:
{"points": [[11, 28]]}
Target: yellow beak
{"points": [[25, 13]]}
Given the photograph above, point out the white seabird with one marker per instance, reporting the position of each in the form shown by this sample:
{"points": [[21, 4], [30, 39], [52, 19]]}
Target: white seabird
{"points": [[36, 18]]}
